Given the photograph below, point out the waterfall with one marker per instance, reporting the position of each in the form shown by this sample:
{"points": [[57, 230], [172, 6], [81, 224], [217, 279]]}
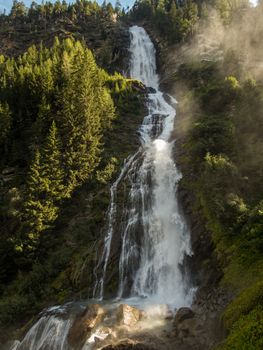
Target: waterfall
{"points": [[155, 237], [99, 283], [49, 332], [153, 232]]}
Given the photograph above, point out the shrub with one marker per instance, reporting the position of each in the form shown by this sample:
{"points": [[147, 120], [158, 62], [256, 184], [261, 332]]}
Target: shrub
{"points": [[244, 303], [247, 332]]}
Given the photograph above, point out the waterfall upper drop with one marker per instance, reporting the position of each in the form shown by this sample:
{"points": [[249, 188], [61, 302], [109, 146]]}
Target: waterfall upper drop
{"points": [[154, 234]]}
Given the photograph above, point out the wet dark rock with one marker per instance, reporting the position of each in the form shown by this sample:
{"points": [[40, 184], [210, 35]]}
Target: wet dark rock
{"points": [[83, 325], [139, 86], [169, 315], [150, 90], [182, 314], [191, 327], [128, 345], [128, 315]]}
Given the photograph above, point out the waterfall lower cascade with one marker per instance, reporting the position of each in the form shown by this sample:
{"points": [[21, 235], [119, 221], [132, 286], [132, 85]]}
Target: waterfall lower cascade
{"points": [[154, 235]]}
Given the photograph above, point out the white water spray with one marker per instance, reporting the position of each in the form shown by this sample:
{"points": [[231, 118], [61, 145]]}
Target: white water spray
{"points": [[50, 331], [99, 284]]}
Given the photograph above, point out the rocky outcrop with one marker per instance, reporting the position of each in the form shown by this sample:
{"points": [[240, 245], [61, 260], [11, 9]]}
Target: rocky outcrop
{"points": [[187, 326], [128, 315], [184, 313], [84, 323], [128, 345]]}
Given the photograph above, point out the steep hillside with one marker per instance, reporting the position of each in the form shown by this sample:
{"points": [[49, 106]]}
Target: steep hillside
{"points": [[66, 127], [218, 84]]}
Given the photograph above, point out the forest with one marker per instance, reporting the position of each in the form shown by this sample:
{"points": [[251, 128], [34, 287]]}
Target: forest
{"points": [[68, 118]]}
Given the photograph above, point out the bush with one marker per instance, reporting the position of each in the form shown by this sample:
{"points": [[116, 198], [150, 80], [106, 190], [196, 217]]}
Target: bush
{"points": [[247, 332], [244, 303]]}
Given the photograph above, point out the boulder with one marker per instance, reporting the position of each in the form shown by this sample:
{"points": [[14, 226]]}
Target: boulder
{"points": [[150, 90], [191, 327], [187, 325], [128, 315], [83, 325], [128, 345], [182, 314]]}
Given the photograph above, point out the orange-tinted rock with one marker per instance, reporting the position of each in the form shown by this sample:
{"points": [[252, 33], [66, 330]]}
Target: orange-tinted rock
{"points": [[128, 315], [83, 325]]}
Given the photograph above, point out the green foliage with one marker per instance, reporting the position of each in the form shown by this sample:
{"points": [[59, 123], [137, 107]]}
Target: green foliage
{"points": [[52, 165], [72, 126], [174, 21], [247, 332], [45, 189], [86, 109], [38, 209], [249, 299], [5, 122], [18, 10], [223, 154], [231, 83], [231, 9], [62, 108], [40, 14], [106, 174]]}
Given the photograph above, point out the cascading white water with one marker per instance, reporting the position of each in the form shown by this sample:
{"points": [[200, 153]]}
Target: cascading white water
{"points": [[50, 331], [165, 240], [99, 283], [155, 239]]}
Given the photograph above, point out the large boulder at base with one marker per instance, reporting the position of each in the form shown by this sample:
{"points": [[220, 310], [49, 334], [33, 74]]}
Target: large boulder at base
{"points": [[83, 325], [128, 315], [191, 327], [182, 314], [187, 325], [128, 345]]}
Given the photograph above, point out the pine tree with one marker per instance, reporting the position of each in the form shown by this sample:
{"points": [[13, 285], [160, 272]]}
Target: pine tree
{"points": [[5, 122], [32, 215], [86, 109], [52, 166], [44, 189]]}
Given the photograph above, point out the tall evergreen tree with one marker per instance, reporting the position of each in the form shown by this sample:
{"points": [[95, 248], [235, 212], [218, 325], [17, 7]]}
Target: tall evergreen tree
{"points": [[52, 166], [5, 122]]}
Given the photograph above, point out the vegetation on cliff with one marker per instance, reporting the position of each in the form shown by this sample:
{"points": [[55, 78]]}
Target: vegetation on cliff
{"points": [[82, 20], [66, 127], [173, 21], [221, 158]]}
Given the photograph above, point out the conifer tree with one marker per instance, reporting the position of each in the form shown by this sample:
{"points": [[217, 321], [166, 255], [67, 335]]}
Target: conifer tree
{"points": [[52, 166], [86, 108], [5, 122], [33, 207]]}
